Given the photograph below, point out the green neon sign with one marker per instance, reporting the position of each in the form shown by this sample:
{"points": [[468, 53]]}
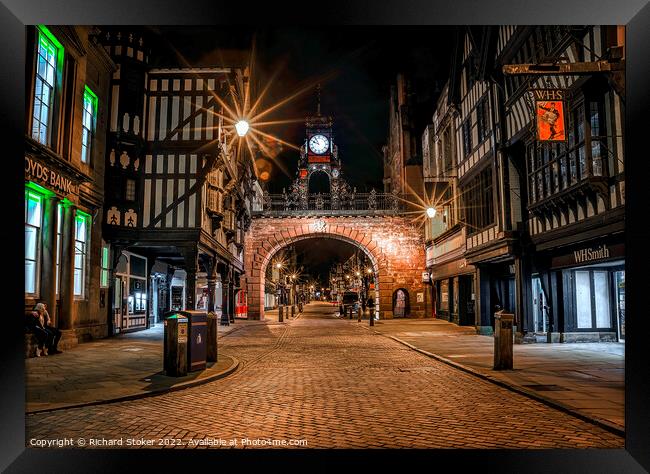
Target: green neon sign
{"points": [[39, 189]]}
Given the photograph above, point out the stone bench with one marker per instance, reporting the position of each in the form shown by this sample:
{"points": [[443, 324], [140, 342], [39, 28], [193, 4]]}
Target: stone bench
{"points": [[31, 345]]}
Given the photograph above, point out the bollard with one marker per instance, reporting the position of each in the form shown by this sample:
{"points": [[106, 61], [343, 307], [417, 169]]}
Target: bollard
{"points": [[372, 319], [503, 340], [359, 315], [349, 312], [293, 311], [280, 318], [213, 321]]}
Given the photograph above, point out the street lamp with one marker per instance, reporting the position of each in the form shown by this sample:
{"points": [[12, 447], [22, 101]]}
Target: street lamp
{"points": [[431, 212], [242, 127]]}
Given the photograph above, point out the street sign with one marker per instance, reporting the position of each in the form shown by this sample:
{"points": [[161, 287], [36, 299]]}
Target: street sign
{"points": [[425, 277]]}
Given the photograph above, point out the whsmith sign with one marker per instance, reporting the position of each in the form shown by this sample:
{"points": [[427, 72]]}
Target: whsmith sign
{"points": [[53, 179], [587, 255]]}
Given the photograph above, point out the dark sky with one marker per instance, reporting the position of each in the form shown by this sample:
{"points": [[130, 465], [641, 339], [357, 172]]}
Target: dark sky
{"points": [[360, 63]]}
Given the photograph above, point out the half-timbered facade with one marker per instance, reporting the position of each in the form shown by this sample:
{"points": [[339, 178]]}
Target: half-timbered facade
{"points": [[488, 192], [181, 188], [67, 92], [452, 278], [574, 190]]}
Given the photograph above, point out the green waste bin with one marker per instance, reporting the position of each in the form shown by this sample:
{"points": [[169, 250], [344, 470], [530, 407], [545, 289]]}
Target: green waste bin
{"points": [[175, 344]]}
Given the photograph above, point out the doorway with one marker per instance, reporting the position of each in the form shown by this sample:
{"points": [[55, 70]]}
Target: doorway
{"points": [[540, 318]]}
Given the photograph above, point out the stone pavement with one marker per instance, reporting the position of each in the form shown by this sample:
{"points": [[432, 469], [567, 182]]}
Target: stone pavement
{"points": [[320, 382], [585, 378], [128, 365]]}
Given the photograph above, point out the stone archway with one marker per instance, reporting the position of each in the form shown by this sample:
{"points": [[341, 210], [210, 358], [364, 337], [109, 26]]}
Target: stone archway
{"points": [[393, 245]]}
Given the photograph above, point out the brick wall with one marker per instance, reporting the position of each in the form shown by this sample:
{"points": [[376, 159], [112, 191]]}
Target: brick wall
{"points": [[394, 245]]}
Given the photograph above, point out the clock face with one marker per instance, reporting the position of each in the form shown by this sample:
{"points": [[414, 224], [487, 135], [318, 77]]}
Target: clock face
{"points": [[319, 144], [335, 173]]}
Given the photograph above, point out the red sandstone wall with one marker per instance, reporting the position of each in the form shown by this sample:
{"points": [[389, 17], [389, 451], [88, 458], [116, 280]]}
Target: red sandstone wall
{"points": [[394, 244]]}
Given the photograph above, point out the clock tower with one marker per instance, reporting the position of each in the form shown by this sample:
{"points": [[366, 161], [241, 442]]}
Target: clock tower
{"points": [[319, 157]]}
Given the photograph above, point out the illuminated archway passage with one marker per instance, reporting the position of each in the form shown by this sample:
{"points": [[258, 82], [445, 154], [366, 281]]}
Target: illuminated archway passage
{"points": [[392, 244]]}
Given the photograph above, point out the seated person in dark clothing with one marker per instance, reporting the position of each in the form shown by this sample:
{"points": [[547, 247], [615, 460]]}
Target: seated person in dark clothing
{"points": [[35, 324], [55, 333]]}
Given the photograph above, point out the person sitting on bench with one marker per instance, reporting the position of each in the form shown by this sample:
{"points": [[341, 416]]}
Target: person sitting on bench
{"points": [[34, 323], [55, 332]]}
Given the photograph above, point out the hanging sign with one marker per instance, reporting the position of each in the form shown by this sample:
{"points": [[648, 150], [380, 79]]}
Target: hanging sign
{"points": [[549, 113]]}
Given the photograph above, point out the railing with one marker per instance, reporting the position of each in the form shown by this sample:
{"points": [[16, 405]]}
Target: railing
{"points": [[371, 203]]}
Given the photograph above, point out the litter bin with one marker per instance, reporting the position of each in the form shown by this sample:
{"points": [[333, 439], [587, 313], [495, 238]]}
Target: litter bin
{"points": [[175, 344], [211, 352], [198, 340], [503, 340]]}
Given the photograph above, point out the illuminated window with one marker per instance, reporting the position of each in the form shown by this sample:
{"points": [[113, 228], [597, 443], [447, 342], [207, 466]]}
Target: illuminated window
{"points": [[80, 253], [88, 123], [49, 59], [33, 218], [105, 266]]}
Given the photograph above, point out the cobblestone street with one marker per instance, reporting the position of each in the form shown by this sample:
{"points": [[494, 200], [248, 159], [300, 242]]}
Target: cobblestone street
{"points": [[331, 384]]}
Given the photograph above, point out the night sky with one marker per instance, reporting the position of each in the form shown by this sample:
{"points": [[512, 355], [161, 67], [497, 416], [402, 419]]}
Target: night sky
{"points": [[358, 64]]}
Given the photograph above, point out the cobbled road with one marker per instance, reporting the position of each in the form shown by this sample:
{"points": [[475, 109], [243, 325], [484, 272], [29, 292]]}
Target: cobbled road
{"points": [[328, 383]]}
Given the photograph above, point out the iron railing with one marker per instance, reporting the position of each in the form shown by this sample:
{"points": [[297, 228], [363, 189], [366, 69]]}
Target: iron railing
{"points": [[372, 203]]}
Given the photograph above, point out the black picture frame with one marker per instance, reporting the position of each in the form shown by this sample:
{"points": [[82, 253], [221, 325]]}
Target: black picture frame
{"points": [[15, 14]]}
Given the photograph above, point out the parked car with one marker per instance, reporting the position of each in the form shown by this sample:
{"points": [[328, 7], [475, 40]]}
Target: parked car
{"points": [[349, 299]]}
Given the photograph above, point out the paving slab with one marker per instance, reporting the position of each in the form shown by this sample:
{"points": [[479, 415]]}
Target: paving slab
{"points": [[118, 368], [584, 378]]}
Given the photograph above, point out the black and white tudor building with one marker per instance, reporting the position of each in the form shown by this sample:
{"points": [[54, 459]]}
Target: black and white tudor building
{"points": [[536, 229], [179, 194]]}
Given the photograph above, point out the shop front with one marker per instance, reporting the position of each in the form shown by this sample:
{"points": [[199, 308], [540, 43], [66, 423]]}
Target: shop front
{"points": [[61, 244], [580, 295], [131, 293], [453, 279]]}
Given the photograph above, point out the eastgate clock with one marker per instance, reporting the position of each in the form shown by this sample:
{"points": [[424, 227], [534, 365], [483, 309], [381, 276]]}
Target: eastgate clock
{"points": [[319, 144]]}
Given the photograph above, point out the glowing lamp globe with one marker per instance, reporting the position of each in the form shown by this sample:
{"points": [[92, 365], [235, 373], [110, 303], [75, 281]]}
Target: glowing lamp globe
{"points": [[431, 212], [241, 127]]}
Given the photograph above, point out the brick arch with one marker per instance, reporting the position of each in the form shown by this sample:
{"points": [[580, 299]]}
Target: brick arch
{"points": [[393, 245]]}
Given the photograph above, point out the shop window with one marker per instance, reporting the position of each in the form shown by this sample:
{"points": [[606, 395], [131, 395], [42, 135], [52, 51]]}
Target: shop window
{"points": [[444, 295], [33, 219], [81, 247], [105, 272], [88, 123], [592, 299], [49, 62]]}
